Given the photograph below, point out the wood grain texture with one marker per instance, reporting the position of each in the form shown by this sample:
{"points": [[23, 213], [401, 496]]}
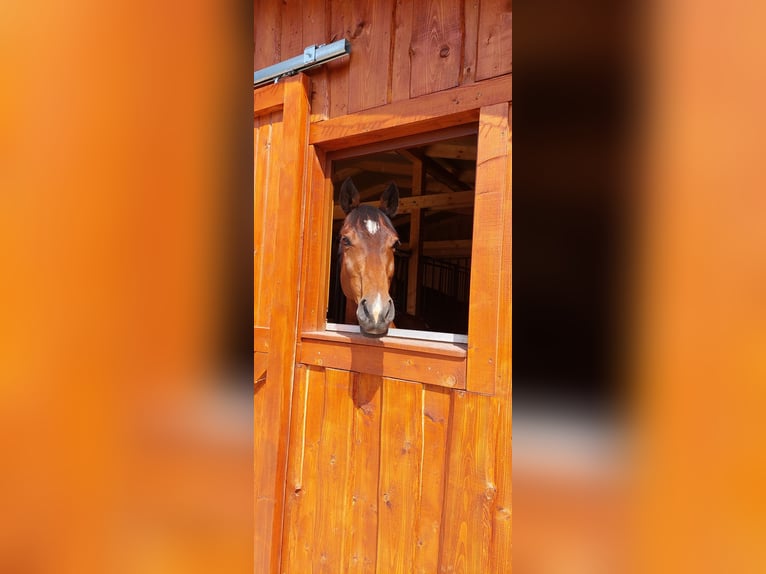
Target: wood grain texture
{"points": [[338, 70], [435, 428], [292, 28], [370, 64], [437, 43], [267, 99], [500, 548], [471, 485], [495, 39], [316, 245], [301, 483], [470, 41], [492, 191], [333, 476], [267, 32], [401, 443], [402, 49], [406, 118], [362, 513], [408, 365], [316, 24]]}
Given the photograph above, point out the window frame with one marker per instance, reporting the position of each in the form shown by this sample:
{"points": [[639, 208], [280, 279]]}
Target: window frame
{"points": [[472, 366]]}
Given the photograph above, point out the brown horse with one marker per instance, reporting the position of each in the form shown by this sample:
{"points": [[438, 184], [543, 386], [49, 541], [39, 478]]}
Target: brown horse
{"points": [[367, 244]]}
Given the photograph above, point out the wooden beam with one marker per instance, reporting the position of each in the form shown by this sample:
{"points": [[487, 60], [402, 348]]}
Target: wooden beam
{"points": [[268, 99], [407, 117], [455, 200], [427, 362], [448, 248], [416, 219]]}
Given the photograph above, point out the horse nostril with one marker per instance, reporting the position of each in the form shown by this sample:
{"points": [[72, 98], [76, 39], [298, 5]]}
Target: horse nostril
{"points": [[363, 304]]}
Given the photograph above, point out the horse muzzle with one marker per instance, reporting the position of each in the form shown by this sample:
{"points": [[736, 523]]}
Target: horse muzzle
{"points": [[375, 314]]}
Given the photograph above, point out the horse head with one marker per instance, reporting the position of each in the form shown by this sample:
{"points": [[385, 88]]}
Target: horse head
{"points": [[367, 244]]}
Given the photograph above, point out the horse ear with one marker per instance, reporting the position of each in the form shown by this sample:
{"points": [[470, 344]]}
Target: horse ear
{"points": [[389, 201], [349, 196]]}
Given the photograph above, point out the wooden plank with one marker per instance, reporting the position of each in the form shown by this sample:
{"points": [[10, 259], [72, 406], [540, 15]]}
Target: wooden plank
{"points": [[435, 422], [362, 513], [470, 41], [260, 364], [370, 65], [408, 365], [443, 348], [471, 489], [333, 474], [417, 138], [340, 26], [505, 324], [316, 245], [268, 99], [500, 549], [292, 28], [267, 203], [401, 444], [267, 416], [437, 43], [302, 479], [400, 64], [261, 339], [405, 118], [454, 200], [281, 307], [267, 34], [492, 190], [416, 219], [316, 19], [495, 54]]}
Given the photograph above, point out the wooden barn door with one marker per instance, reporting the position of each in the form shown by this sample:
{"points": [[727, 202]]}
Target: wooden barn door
{"points": [[280, 142], [390, 470]]}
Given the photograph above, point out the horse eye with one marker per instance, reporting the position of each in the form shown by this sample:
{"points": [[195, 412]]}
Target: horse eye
{"points": [[396, 245], [345, 241]]}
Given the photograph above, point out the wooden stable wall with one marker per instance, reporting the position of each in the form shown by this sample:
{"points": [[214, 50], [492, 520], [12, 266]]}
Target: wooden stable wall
{"points": [[401, 49], [379, 456]]}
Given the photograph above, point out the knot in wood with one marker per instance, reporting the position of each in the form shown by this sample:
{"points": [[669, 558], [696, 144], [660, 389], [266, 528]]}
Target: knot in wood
{"points": [[444, 51]]}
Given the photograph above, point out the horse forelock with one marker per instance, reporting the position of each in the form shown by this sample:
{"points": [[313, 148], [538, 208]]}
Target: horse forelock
{"points": [[368, 220]]}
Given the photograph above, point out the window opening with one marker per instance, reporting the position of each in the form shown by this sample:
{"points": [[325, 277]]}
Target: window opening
{"points": [[431, 283]]}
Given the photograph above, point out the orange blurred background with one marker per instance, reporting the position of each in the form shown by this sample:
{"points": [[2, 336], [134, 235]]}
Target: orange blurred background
{"points": [[125, 298]]}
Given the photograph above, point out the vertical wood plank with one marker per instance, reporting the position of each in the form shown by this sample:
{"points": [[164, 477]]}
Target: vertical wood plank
{"points": [[500, 551], [267, 32], [292, 28], [501, 544], [470, 41], [495, 39], [269, 207], [315, 31], [401, 445], [267, 491], [437, 44], [362, 517], [315, 278], [302, 479], [436, 416], [370, 64], [400, 63], [471, 486], [333, 474], [416, 219], [492, 190], [338, 70]]}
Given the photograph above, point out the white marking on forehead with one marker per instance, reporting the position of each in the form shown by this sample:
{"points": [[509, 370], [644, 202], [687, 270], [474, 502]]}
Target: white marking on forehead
{"points": [[372, 226]]}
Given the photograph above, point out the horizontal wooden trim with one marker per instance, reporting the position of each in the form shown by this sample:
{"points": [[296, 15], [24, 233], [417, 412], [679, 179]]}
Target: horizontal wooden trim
{"points": [[406, 117], [427, 362], [268, 99], [454, 247], [261, 339], [455, 200]]}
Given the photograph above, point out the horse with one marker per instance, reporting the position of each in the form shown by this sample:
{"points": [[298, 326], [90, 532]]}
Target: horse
{"points": [[366, 249]]}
